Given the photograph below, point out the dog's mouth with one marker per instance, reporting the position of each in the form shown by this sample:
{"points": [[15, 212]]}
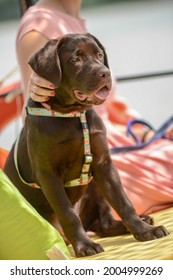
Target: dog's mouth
{"points": [[102, 94]]}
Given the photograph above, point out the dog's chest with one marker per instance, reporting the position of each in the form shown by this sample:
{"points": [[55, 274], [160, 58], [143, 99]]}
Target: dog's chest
{"points": [[57, 141], [61, 143]]}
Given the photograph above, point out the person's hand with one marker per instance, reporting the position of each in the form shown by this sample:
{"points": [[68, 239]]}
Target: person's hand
{"points": [[39, 89]]}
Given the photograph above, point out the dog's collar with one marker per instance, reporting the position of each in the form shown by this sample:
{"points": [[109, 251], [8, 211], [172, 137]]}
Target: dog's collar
{"points": [[85, 177], [43, 112]]}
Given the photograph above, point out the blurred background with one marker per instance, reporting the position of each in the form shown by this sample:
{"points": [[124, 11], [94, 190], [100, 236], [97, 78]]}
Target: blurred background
{"points": [[138, 37]]}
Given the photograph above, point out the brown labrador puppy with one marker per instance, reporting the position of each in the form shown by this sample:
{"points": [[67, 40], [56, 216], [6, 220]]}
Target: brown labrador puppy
{"points": [[51, 151]]}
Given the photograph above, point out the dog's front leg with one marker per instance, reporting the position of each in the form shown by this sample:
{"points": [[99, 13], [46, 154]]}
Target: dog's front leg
{"points": [[53, 189], [107, 178]]}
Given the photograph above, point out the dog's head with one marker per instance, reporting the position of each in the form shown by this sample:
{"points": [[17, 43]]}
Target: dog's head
{"points": [[76, 64]]}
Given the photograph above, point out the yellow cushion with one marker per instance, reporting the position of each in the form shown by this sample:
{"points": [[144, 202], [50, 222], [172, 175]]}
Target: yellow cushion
{"points": [[126, 247], [24, 234]]}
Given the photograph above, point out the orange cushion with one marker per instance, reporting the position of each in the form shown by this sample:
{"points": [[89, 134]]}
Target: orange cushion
{"points": [[3, 157], [12, 109]]}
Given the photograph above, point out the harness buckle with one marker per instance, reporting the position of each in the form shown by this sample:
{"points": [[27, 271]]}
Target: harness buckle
{"points": [[88, 158]]}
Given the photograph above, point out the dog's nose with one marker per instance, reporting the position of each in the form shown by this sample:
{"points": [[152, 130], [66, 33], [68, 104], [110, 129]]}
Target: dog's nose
{"points": [[103, 73]]}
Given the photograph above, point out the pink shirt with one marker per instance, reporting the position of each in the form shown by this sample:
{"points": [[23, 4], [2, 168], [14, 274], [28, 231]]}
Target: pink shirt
{"points": [[42, 20]]}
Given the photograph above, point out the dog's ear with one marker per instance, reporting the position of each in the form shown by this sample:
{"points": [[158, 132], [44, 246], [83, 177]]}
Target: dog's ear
{"points": [[100, 46], [45, 62]]}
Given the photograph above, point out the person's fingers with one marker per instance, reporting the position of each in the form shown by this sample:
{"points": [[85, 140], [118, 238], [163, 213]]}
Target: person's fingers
{"points": [[38, 98], [40, 89], [41, 82]]}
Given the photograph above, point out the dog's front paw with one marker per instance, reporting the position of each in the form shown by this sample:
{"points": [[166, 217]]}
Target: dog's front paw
{"points": [[87, 248], [150, 233]]}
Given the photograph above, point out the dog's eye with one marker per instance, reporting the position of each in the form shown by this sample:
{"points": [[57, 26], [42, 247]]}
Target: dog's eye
{"points": [[75, 59], [100, 55]]}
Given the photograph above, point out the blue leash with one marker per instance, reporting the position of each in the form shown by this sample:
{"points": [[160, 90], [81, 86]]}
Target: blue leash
{"points": [[158, 134]]}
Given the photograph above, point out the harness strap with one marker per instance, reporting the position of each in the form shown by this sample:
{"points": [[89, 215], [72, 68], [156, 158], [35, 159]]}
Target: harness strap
{"points": [[85, 176], [43, 112], [32, 185]]}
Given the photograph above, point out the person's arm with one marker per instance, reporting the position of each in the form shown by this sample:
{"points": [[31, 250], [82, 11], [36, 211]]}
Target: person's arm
{"points": [[29, 44]]}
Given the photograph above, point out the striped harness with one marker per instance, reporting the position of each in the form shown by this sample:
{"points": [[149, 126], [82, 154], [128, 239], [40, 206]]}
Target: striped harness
{"points": [[85, 176]]}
